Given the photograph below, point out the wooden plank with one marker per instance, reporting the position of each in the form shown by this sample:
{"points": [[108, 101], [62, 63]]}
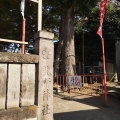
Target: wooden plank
{"points": [[3, 77], [13, 41], [39, 15], [36, 1], [112, 77], [28, 84], [13, 92]]}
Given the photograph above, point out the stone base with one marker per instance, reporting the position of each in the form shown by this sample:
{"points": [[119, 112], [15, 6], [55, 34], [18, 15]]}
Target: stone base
{"points": [[24, 113]]}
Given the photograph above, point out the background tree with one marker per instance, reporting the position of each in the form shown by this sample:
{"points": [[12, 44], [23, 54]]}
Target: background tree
{"points": [[11, 20], [66, 51], [62, 17], [111, 27]]}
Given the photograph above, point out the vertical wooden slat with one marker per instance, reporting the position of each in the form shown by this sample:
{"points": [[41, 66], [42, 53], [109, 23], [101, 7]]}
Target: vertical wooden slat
{"points": [[13, 92], [63, 84], [60, 80], [57, 81], [3, 77], [28, 84], [91, 83]]}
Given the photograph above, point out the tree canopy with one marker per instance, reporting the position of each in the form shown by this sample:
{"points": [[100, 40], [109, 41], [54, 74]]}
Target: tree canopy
{"points": [[11, 24], [111, 28]]}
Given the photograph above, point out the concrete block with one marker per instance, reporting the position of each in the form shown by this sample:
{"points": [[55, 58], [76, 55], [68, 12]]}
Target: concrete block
{"points": [[3, 77], [18, 58], [28, 84], [44, 34], [13, 92], [23, 113]]}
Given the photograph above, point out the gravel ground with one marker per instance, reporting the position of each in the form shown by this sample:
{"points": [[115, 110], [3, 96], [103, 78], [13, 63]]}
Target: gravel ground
{"points": [[75, 106]]}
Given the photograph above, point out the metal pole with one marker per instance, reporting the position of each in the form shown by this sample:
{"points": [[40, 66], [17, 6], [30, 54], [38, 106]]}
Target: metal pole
{"points": [[83, 56], [23, 35], [104, 72]]}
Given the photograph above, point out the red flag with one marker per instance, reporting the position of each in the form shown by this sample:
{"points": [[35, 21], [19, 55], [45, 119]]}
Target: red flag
{"points": [[102, 11]]}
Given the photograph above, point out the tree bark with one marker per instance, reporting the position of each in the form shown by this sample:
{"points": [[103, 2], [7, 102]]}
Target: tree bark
{"points": [[68, 42], [65, 53]]}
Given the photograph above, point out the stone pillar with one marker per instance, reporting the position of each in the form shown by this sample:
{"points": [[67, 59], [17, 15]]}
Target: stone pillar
{"points": [[3, 79], [118, 60], [45, 48]]}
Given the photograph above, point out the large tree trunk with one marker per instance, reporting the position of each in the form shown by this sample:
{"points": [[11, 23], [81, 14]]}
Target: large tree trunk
{"points": [[68, 42], [65, 52]]}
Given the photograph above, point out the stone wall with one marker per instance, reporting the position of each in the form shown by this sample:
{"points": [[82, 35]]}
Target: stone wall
{"points": [[17, 85], [26, 82]]}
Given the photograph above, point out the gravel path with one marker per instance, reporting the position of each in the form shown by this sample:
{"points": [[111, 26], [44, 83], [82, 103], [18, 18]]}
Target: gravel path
{"points": [[83, 107]]}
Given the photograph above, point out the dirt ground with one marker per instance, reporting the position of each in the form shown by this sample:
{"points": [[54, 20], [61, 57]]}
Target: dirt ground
{"points": [[84, 107]]}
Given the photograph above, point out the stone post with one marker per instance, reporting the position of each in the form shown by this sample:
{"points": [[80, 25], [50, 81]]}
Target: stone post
{"points": [[118, 60], [45, 48]]}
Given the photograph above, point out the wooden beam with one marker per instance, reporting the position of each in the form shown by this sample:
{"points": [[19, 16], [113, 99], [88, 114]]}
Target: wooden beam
{"points": [[39, 15], [36, 1], [12, 41]]}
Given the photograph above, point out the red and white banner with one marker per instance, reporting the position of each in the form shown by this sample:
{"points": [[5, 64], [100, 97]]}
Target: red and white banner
{"points": [[102, 11]]}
